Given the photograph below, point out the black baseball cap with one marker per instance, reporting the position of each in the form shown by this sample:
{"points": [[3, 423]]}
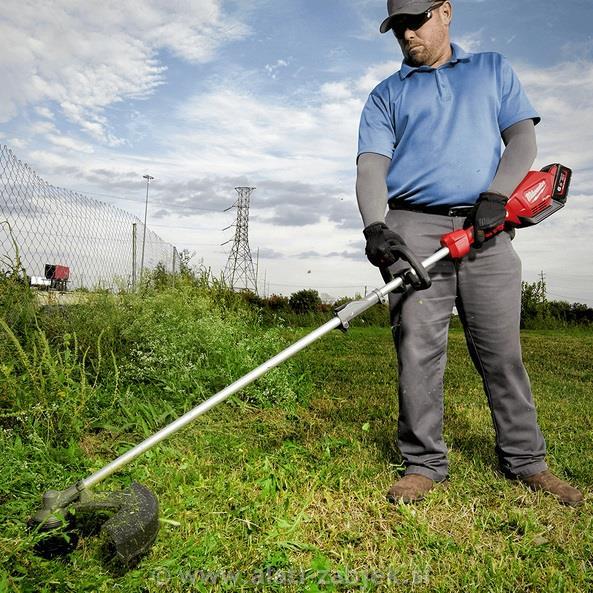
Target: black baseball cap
{"points": [[397, 7]]}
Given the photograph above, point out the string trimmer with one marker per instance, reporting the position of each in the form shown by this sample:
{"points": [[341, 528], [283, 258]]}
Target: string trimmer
{"points": [[133, 525]]}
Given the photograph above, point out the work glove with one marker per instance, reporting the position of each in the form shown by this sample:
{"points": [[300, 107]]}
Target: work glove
{"points": [[487, 214], [380, 243]]}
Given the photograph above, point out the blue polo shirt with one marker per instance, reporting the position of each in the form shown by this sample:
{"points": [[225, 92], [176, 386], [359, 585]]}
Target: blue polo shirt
{"points": [[442, 127]]}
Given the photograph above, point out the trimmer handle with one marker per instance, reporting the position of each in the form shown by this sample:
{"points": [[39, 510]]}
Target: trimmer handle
{"points": [[417, 276]]}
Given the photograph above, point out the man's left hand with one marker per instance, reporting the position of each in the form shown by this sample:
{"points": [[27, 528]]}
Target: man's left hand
{"points": [[488, 213]]}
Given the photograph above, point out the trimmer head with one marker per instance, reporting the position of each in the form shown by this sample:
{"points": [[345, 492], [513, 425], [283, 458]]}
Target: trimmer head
{"points": [[130, 521]]}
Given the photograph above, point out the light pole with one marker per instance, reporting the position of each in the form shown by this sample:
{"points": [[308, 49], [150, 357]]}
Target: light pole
{"points": [[148, 178]]}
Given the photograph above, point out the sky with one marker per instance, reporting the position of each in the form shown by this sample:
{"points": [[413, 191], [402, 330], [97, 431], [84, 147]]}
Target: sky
{"points": [[207, 95]]}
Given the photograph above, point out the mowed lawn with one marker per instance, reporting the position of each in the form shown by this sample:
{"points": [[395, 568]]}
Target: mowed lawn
{"points": [[293, 499]]}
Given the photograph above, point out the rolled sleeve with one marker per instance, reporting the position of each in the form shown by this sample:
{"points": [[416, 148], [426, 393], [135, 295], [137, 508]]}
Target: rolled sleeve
{"points": [[376, 132], [514, 104]]}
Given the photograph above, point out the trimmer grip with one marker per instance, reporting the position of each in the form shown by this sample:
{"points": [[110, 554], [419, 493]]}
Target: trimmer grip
{"points": [[417, 276], [459, 242]]}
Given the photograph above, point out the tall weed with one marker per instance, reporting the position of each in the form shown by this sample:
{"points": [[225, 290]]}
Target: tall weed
{"points": [[45, 389], [17, 305]]}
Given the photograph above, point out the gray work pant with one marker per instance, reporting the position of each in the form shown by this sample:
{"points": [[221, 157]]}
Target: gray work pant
{"points": [[486, 288]]}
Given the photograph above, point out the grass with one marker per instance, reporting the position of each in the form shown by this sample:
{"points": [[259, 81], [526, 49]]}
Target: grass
{"points": [[289, 496]]}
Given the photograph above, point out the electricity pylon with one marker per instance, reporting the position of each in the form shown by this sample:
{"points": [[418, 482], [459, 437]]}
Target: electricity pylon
{"points": [[239, 272]]}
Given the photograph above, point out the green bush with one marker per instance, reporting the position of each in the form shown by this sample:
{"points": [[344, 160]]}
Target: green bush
{"points": [[305, 301]]}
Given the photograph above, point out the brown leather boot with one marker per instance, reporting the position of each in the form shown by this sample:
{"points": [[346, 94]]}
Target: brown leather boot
{"points": [[548, 482], [410, 488]]}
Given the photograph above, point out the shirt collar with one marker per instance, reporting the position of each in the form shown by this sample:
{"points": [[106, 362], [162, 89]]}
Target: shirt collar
{"points": [[458, 55]]}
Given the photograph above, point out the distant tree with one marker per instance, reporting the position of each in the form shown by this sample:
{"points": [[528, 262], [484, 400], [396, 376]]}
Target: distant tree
{"points": [[277, 302], [538, 312], [253, 299], [560, 310], [534, 304], [581, 313], [305, 301]]}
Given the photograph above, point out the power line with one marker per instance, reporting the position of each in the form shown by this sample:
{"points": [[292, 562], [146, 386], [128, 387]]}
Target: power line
{"points": [[200, 244], [561, 296], [555, 273]]}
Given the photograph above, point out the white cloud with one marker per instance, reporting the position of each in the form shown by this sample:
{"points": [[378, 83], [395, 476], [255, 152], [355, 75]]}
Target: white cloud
{"points": [[69, 143], [315, 141], [228, 130], [272, 69], [84, 57], [556, 247], [45, 160], [41, 128], [563, 96], [470, 42], [15, 142], [45, 112], [336, 90], [375, 74]]}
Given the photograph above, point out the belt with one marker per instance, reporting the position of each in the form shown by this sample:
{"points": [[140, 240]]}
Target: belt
{"points": [[463, 210]]}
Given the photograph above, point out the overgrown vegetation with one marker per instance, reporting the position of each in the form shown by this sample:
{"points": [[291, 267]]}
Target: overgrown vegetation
{"points": [[67, 370], [282, 488]]}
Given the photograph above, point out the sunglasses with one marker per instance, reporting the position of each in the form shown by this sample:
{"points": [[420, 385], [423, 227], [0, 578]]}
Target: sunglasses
{"points": [[413, 22]]}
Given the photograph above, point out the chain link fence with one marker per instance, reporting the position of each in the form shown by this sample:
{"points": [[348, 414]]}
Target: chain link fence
{"points": [[99, 243]]}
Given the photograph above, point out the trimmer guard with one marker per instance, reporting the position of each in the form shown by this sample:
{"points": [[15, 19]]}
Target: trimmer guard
{"points": [[134, 524]]}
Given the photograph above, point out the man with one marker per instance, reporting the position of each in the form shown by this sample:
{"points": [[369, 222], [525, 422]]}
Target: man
{"points": [[430, 147]]}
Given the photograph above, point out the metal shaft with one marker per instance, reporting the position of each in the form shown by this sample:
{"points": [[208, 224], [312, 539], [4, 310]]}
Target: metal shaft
{"points": [[373, 298]]}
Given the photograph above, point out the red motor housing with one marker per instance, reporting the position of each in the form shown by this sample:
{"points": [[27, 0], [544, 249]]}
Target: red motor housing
{"points": [[539, 195]]}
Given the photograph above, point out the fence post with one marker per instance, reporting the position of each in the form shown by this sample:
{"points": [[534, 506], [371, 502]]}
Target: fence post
{"points": [[134, 233], [174, 263]]}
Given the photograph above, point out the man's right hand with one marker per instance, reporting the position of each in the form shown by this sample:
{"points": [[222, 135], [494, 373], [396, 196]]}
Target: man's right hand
{"points": [[380, 243], [487, 214]]}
